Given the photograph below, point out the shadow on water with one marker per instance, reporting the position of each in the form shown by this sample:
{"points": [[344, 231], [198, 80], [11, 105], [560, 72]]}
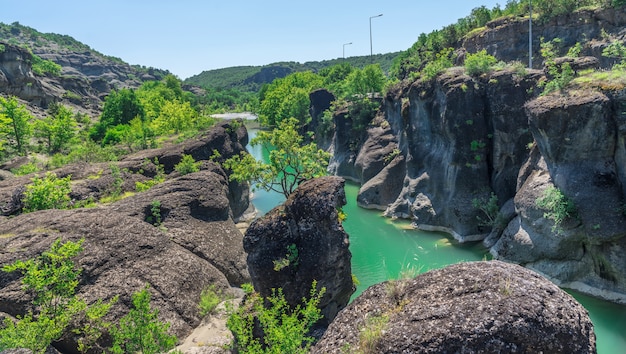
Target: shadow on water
{"points": [[383, 249]]}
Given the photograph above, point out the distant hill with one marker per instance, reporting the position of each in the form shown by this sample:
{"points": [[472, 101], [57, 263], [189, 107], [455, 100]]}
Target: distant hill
{"points": [[251, 78], [84, 79]]}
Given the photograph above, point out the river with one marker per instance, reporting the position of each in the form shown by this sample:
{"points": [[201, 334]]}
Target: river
{"points": [[383, 249]]}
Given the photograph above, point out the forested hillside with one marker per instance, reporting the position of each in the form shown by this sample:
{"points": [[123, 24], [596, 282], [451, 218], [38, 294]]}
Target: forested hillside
{"points": [[251, 78]]}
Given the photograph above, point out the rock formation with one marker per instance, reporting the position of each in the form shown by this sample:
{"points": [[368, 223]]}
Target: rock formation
{"points": [[305, 231], [477, 307], [86, 76], [443, 152], [186, 243]]}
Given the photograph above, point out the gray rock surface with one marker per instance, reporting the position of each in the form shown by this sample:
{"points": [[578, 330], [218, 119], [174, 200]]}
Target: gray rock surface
{"points": [[476, 307], [309, 221]]}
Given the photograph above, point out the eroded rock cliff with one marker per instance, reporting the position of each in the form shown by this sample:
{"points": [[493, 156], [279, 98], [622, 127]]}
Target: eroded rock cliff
{"points": [[472, 155]]}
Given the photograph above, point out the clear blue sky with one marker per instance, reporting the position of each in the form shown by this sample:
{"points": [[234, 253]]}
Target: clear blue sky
{"points": [[190, 36]]}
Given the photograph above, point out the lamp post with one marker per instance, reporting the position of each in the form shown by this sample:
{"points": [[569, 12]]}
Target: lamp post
{"points": [[371, 48], [344, 49], [530, 36]]}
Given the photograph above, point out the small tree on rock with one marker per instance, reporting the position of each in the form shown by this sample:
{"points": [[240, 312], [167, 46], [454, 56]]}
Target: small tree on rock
{"points": [[290, 162]]}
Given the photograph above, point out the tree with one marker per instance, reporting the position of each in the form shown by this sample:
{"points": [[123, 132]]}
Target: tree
{"points": [[15, 126], [120, 107], [290, 162], [140, 330], [361, 82], [175, 117], [288, 98], [58, 130]]}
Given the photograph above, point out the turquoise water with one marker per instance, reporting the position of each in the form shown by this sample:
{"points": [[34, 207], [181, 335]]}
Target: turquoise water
{"points": [[383, 249]]}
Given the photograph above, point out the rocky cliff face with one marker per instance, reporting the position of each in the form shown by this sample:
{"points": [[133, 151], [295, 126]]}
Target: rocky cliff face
{"points": [[86, 76], [479, 307], [305, 231], [443, 152]]}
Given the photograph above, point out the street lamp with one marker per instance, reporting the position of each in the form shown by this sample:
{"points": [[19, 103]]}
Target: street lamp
{"points": [[371, 50], [530, 36], [344, 49]]}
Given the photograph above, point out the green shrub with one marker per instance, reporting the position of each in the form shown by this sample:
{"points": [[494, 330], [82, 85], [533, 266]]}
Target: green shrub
{"points": [[49, 192], [558, 206], [285, 329], [30, 167], [52, 278], [42, 67], [140, 331], [187, 165], [290, 259], [209, 299], [479, 63], [489, 208]]}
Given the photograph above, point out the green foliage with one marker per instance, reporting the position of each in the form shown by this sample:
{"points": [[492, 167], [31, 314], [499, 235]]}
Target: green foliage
{"points": [[187, 165], [251, 78], [490, 210], [288, 98], [49, 192], [209, 299], [559, 75], [120, 107], [42, 67], [285, 329], [30, 167], [616, 50], [392, 155], [370, 79], [155, 213], [442, 61], [290, 259], [140, 330], [558, 207], [93, 324], [290, 162], [159, 176], [15, 126], [479, 63], [51, 279], [57, 130], [574, 51]]}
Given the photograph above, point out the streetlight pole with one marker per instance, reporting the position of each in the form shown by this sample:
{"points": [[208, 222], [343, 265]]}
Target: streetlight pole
{"points": [[371, 48], [530, 36], [344, 49]]}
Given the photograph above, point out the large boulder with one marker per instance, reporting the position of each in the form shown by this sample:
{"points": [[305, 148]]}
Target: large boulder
{"points": [[476, 307], [178, 237], [309, 223]]}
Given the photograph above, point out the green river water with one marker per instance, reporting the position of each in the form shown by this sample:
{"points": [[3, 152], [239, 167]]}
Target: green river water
{"points": [[383, 249]]}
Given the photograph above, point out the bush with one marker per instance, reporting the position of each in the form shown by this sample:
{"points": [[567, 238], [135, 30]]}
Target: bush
{"points": [[42, 67], [187, 165], [140, 331], [209, 299], [285, 329], [52, 278], [558, 206], [47, 193], [479, 63]]}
